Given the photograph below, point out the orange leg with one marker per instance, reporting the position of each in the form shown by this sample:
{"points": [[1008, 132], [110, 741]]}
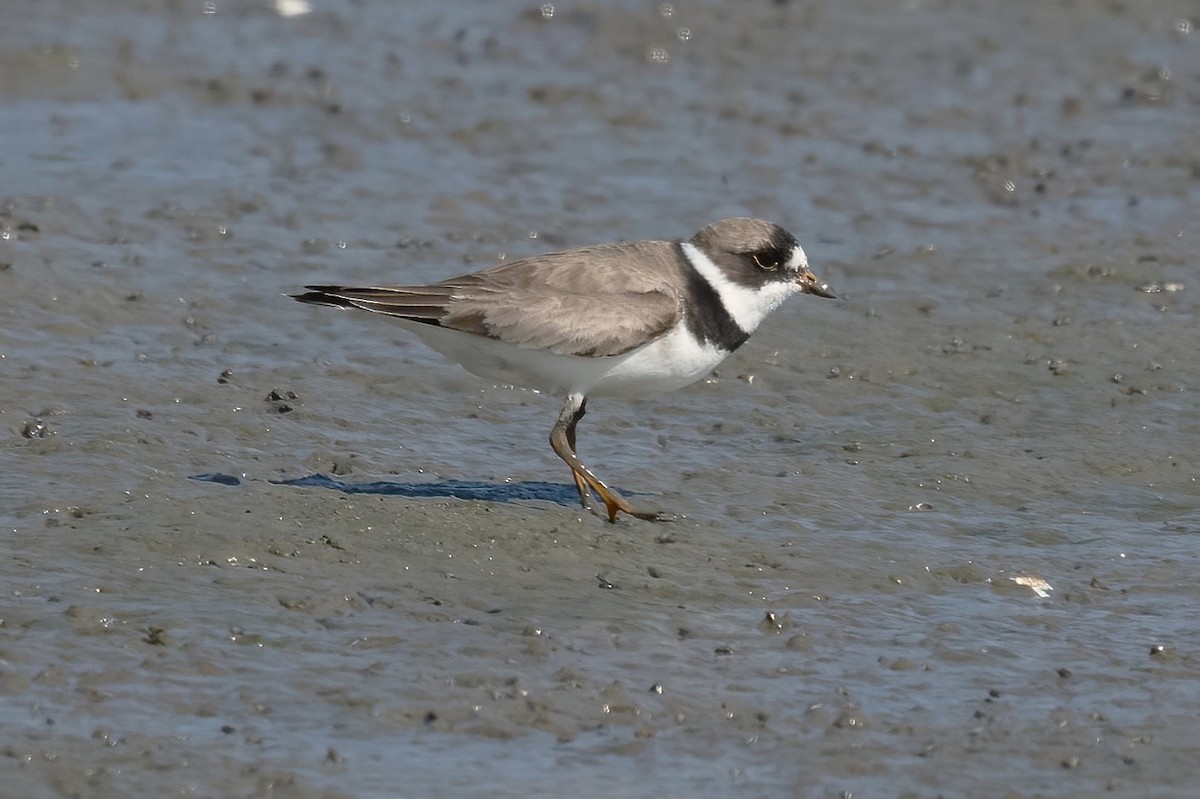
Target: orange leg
{"points": [[562, 439], [585, 492]]}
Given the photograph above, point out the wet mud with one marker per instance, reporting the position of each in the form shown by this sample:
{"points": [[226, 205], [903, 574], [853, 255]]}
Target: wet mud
{"points": [[937, 538]]}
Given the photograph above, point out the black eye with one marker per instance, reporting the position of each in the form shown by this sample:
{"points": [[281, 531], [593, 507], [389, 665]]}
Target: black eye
{"points": [[768, 260]]}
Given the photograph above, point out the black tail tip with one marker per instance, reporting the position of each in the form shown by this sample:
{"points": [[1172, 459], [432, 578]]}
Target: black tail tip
{"points": [[323, 295]]}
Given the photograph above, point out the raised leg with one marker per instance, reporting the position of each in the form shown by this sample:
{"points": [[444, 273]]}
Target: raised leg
{"points": [[562, 439], [585, 492]]}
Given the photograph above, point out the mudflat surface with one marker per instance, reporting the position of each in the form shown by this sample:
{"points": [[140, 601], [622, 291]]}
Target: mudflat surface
{"points": [[937, 538]]}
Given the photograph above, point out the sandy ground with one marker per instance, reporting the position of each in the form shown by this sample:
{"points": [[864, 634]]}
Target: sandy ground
{"points": [[937, 538]]}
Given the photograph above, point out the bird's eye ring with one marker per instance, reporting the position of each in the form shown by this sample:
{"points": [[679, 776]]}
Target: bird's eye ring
{"points": [[765, 261]]}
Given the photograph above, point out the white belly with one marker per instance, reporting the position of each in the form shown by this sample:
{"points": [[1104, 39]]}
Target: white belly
{"points": [[668, 363]]}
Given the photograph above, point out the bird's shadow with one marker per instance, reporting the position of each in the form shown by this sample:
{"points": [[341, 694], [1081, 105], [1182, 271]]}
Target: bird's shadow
{"points": [[560, 493]]}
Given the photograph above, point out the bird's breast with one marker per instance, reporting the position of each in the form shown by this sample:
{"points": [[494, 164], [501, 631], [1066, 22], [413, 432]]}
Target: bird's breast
{"points": [[671, 362]]}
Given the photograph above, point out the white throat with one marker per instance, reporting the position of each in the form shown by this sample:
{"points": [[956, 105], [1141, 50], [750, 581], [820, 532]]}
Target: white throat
{"points": [[747, 306]]}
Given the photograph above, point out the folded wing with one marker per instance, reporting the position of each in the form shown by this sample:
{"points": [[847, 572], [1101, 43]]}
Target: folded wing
{"points": [[593, 302]]}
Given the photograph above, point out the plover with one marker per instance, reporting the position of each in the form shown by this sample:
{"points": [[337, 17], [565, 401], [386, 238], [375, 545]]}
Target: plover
{"points": [[626, 319]]}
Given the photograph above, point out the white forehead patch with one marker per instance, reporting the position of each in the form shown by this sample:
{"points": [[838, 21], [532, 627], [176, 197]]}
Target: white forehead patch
{"points": [[798, 260]]}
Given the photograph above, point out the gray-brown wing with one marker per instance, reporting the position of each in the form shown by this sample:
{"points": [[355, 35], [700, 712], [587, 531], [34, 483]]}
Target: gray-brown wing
{"points": [[593, 302]]}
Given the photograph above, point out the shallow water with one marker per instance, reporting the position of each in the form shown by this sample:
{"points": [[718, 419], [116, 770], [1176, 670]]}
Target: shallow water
{"points": [[938, 538]]}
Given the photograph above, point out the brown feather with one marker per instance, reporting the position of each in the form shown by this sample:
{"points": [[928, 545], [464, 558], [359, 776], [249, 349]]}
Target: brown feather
{"points": [[558, 302]]}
